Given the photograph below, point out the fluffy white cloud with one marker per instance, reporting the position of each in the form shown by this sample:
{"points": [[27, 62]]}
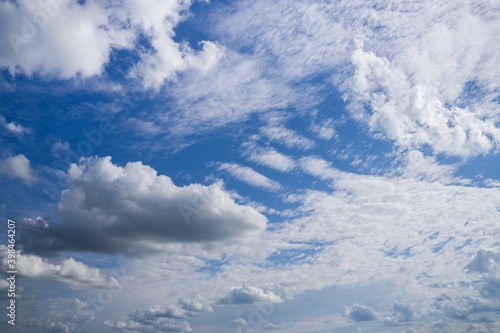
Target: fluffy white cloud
{"points": [[131, 209], [415, 73], [184, 308], [156, 325], [67, 39], [73, 273], [14, 128], [60, 38], [248, 295], [250, 176], [18, 167], [158, 19], [413, 115]]}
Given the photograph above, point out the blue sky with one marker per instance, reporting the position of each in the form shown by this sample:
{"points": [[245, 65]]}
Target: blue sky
{"points": [[251, 166]]}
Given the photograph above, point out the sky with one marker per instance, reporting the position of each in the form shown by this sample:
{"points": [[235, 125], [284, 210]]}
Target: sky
{"points": [[251, 165]]}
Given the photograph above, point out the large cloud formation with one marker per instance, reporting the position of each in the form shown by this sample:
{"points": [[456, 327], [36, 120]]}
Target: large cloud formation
{"points": [[417, 73], [68, 39], [131, 209]]}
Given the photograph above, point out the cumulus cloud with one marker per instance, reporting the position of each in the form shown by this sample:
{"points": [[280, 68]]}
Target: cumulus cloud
{"points": [[64, 39], [156, 325], [248, 295], [13, 128], [18, 167], [484, 261], [161, 318], [132, 209], [360, 313], [184, 308], [67, 39], [418, 74], [400, 314], [487, 263], [73, 273], [250, 176], [157, 19]]}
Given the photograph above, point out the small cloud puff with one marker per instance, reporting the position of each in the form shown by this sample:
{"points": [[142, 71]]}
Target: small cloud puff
{"points": [[18, 167], [248, 295], [360, 313]]}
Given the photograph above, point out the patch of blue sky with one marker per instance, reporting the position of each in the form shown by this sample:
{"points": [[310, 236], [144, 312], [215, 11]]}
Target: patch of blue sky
{"points": [[293, 256], [213, 266], [441, 245], [191, 29], [395, 252], [480, 168]]}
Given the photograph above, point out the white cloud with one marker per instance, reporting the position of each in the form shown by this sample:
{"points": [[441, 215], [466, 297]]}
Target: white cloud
{"points": [[318, 167], [301, 37], [228, 93], [248, 295], [287, 137], [158, 20], [59, 148], [156, 325], [63, 40], [184, 308], [413, 114], [268, 156], [131, 209], [415, 73], [250, 176], [18, 167], [75, 274], [66, 39], [325, 132], [14, 128], [414, 164]]}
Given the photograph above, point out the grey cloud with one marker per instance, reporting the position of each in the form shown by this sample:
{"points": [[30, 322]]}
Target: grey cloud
{"points": [[483, 262], [400, 314], [360, 313], [132, 210], [161, 318]]}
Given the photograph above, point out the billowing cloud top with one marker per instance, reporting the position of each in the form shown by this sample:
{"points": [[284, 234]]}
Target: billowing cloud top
{"points": [[131, 209]]}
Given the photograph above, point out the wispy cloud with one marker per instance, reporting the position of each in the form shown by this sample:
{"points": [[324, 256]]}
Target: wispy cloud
{"points": [[14, 128], [268, 156], [250, 176]]}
